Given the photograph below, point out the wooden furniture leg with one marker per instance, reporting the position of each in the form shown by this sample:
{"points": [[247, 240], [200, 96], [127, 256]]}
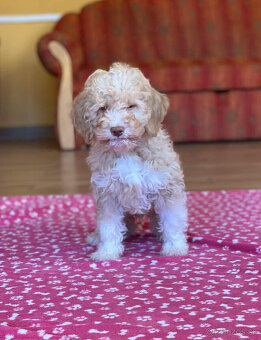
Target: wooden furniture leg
{"points": [[66, 134]]}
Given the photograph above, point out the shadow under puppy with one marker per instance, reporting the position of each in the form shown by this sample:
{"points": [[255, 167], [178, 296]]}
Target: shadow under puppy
{"points": [[135, 169]]}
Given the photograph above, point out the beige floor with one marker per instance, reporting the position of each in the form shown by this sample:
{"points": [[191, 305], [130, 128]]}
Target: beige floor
{"points": [[29, 168]]}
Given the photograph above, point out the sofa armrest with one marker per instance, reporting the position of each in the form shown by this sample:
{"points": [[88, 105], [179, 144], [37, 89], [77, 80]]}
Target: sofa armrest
{"points": [[67, 32], [49, 61], [65, 127]]}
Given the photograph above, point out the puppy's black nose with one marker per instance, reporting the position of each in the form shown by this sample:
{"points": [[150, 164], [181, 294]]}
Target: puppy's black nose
{"points": [[117, 131]]}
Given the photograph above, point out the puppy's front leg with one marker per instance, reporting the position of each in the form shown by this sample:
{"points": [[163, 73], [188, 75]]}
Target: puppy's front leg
{"points": [[173, 225], [110, 229]]}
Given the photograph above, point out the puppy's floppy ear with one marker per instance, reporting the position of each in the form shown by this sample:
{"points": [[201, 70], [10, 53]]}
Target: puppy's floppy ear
{"points": [[158, 104], [82, 117]]}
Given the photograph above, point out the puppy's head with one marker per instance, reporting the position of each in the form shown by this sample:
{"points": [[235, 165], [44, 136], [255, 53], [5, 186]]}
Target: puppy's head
{"points": [[118, 107]]}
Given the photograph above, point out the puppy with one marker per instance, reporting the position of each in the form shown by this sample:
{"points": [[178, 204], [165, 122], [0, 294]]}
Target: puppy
{"points": [[135, 169]]}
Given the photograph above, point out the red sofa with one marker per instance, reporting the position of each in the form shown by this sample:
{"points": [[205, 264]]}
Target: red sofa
{"points": [[206, 55]]}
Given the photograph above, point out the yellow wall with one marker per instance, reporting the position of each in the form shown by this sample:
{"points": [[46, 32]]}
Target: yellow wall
{"points": [[27, 91]]}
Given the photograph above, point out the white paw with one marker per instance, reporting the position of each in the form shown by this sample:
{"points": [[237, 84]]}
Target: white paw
{"points": [[93, 239], [179, 247], [104, 256]]}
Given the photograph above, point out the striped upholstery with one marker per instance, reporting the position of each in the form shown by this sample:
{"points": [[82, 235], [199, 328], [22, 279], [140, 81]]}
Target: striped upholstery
{"points": [[200, 76], [67, 31], [192, 49], [214, 116], [153, 31], [172, 77]]}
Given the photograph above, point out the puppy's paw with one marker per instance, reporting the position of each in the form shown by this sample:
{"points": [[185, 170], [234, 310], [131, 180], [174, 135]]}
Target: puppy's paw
{"points": [[93, 239], [100, 255], [177, 248]]}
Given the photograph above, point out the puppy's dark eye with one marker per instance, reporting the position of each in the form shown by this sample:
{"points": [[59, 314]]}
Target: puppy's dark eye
{"points": [[103, 108], [132, 106]]}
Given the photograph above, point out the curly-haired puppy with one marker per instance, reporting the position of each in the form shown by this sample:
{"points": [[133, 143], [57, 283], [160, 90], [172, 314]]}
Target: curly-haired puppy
{"points": [[134, 167]]}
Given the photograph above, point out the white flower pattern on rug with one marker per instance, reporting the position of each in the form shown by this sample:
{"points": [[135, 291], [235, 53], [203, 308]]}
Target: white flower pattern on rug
{"points": [[50, 289]]}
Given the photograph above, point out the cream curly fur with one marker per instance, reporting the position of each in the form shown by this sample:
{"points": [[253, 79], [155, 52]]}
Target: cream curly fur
{"points": [[135, 170]]}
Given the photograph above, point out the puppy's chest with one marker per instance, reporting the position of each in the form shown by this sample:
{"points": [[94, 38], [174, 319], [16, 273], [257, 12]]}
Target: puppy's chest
{"points": [[133, 182]]}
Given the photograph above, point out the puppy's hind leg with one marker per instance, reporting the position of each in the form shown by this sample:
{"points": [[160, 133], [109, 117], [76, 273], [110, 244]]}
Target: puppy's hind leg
{"points": [[93, 238], [129, 221], [154, 223]]}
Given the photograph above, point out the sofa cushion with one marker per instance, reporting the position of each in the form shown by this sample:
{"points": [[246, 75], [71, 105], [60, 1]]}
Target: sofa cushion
{"points": [[163, 31], [197, 76], [209, 116], [79, 79]]}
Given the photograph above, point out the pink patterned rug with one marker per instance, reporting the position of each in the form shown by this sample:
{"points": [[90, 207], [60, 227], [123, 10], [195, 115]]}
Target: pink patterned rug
{"points": [[49, 289]]}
